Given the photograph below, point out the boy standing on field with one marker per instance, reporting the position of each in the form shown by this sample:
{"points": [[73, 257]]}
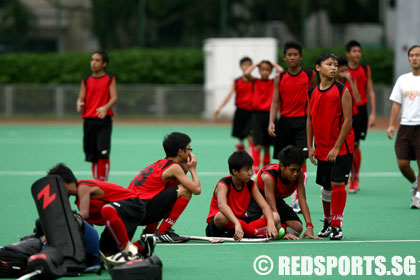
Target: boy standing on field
{"points": [[230, 201], [362, 77], [98, 94], [329, 124], [244, 89], [290, 97]]}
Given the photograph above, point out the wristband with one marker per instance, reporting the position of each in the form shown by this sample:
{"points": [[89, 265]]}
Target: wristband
{"points": [[309, 225]]}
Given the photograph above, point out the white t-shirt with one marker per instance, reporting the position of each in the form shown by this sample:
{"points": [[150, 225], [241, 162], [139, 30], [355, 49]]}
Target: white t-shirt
{"points": [[407, 92]]}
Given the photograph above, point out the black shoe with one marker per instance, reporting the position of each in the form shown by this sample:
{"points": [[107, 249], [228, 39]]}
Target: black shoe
{"points": [[148, 242], [326, 230], [336, 233], [170, 236]]}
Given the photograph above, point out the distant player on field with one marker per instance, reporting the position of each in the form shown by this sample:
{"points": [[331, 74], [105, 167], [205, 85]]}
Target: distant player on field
{"points": [[263, 94], [244, 90], [98, 94], [278, 181], [406, 97], [103, 203], [362, 76], [166, 189], [290, 97], [230, 201], [329, 124]]}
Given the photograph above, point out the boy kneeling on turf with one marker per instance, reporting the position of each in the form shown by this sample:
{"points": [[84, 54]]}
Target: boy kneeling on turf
{"points": [[230, 200], [278, 181]]}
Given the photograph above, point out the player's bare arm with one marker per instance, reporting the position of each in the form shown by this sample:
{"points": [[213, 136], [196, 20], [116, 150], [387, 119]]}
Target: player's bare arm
{"points": [[112, 100], [81, 100], [269, 187], [353, 85], [267, 211], [274, 108], [176, 171], [85, 193], [225, 100], [345, 129], [371, 94], [248, 71], [221, 193], [304, 208], [278, 67], [396, 107], [310, 137]]}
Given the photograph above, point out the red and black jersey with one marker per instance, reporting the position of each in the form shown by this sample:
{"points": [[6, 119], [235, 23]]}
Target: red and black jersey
{"points": [[244, 94], [293, 92], [360, 76], [148, 183], [97, 95], [327, 120], [238, 200], [353, 102], [283, 187], [112, 192], [263, 94]]}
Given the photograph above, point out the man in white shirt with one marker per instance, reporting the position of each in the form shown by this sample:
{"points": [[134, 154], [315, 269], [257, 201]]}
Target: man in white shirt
{"points": [[406, 95]]}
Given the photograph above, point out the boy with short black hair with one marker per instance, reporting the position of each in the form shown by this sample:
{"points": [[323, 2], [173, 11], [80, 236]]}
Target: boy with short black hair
{"points": [[290, 98], [97, 96], [244, 91], [230, 201], [263, 94], [103, 203], [278, 181], [362, 77], [329, 123], [166, 189]]}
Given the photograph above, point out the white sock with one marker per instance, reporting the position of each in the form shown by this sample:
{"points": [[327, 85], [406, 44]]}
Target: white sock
{"points": [[418, 195]]}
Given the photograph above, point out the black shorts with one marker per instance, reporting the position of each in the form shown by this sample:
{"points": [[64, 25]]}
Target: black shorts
{"points": [[132, 212], [241, 123], [285, 211], [97, 138], [363, 121], [159, 207], [407, 145], [328, 172], [356, 129], [290, 131], [213, 231], [260, 121]]}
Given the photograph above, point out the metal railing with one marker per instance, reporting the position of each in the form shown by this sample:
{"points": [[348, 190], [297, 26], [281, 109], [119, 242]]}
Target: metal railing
{"points": [[134, 101]]}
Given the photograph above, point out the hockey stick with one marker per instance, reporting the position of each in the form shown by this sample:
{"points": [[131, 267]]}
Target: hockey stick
{"points": [[30, 275], [229, 239]]}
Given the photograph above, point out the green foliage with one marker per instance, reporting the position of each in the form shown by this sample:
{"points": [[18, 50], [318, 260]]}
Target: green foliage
{"points": [[152, 66]]}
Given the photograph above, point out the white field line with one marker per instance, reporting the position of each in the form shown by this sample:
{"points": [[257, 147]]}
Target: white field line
{"points": [[200, 173], [293, 242]]}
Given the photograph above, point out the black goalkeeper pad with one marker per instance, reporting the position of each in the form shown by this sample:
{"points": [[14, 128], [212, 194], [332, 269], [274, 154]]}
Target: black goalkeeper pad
{"points": [[58, 223], [147, 269]]}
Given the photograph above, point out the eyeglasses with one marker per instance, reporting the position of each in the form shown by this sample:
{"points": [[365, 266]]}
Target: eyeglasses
{"points": [[188, 149]]}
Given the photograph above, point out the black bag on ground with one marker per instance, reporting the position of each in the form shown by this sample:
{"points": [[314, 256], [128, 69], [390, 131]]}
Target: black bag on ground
{"points": [[147, 269], [14, 257]]}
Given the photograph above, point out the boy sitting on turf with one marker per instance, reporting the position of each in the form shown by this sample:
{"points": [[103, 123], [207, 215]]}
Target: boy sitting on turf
{"points": [[278, 181], [230, 200], [120, 210]]}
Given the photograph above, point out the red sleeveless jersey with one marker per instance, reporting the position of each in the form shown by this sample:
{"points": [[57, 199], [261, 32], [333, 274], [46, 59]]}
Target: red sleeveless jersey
{"points": [[244, 94], [293, 92], [112, 192], [263, 94], [238, 200], [97, 95], [360, 76], [283, 187], [353, 102], [327, 120], [148, 183]]}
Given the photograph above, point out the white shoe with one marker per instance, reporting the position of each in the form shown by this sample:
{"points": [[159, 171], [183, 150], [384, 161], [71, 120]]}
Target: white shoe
{"points": [[295, 206], [415, 202]]}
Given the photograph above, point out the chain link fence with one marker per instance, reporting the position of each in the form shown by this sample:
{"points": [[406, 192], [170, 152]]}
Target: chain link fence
{"points": [[134, 101]]}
